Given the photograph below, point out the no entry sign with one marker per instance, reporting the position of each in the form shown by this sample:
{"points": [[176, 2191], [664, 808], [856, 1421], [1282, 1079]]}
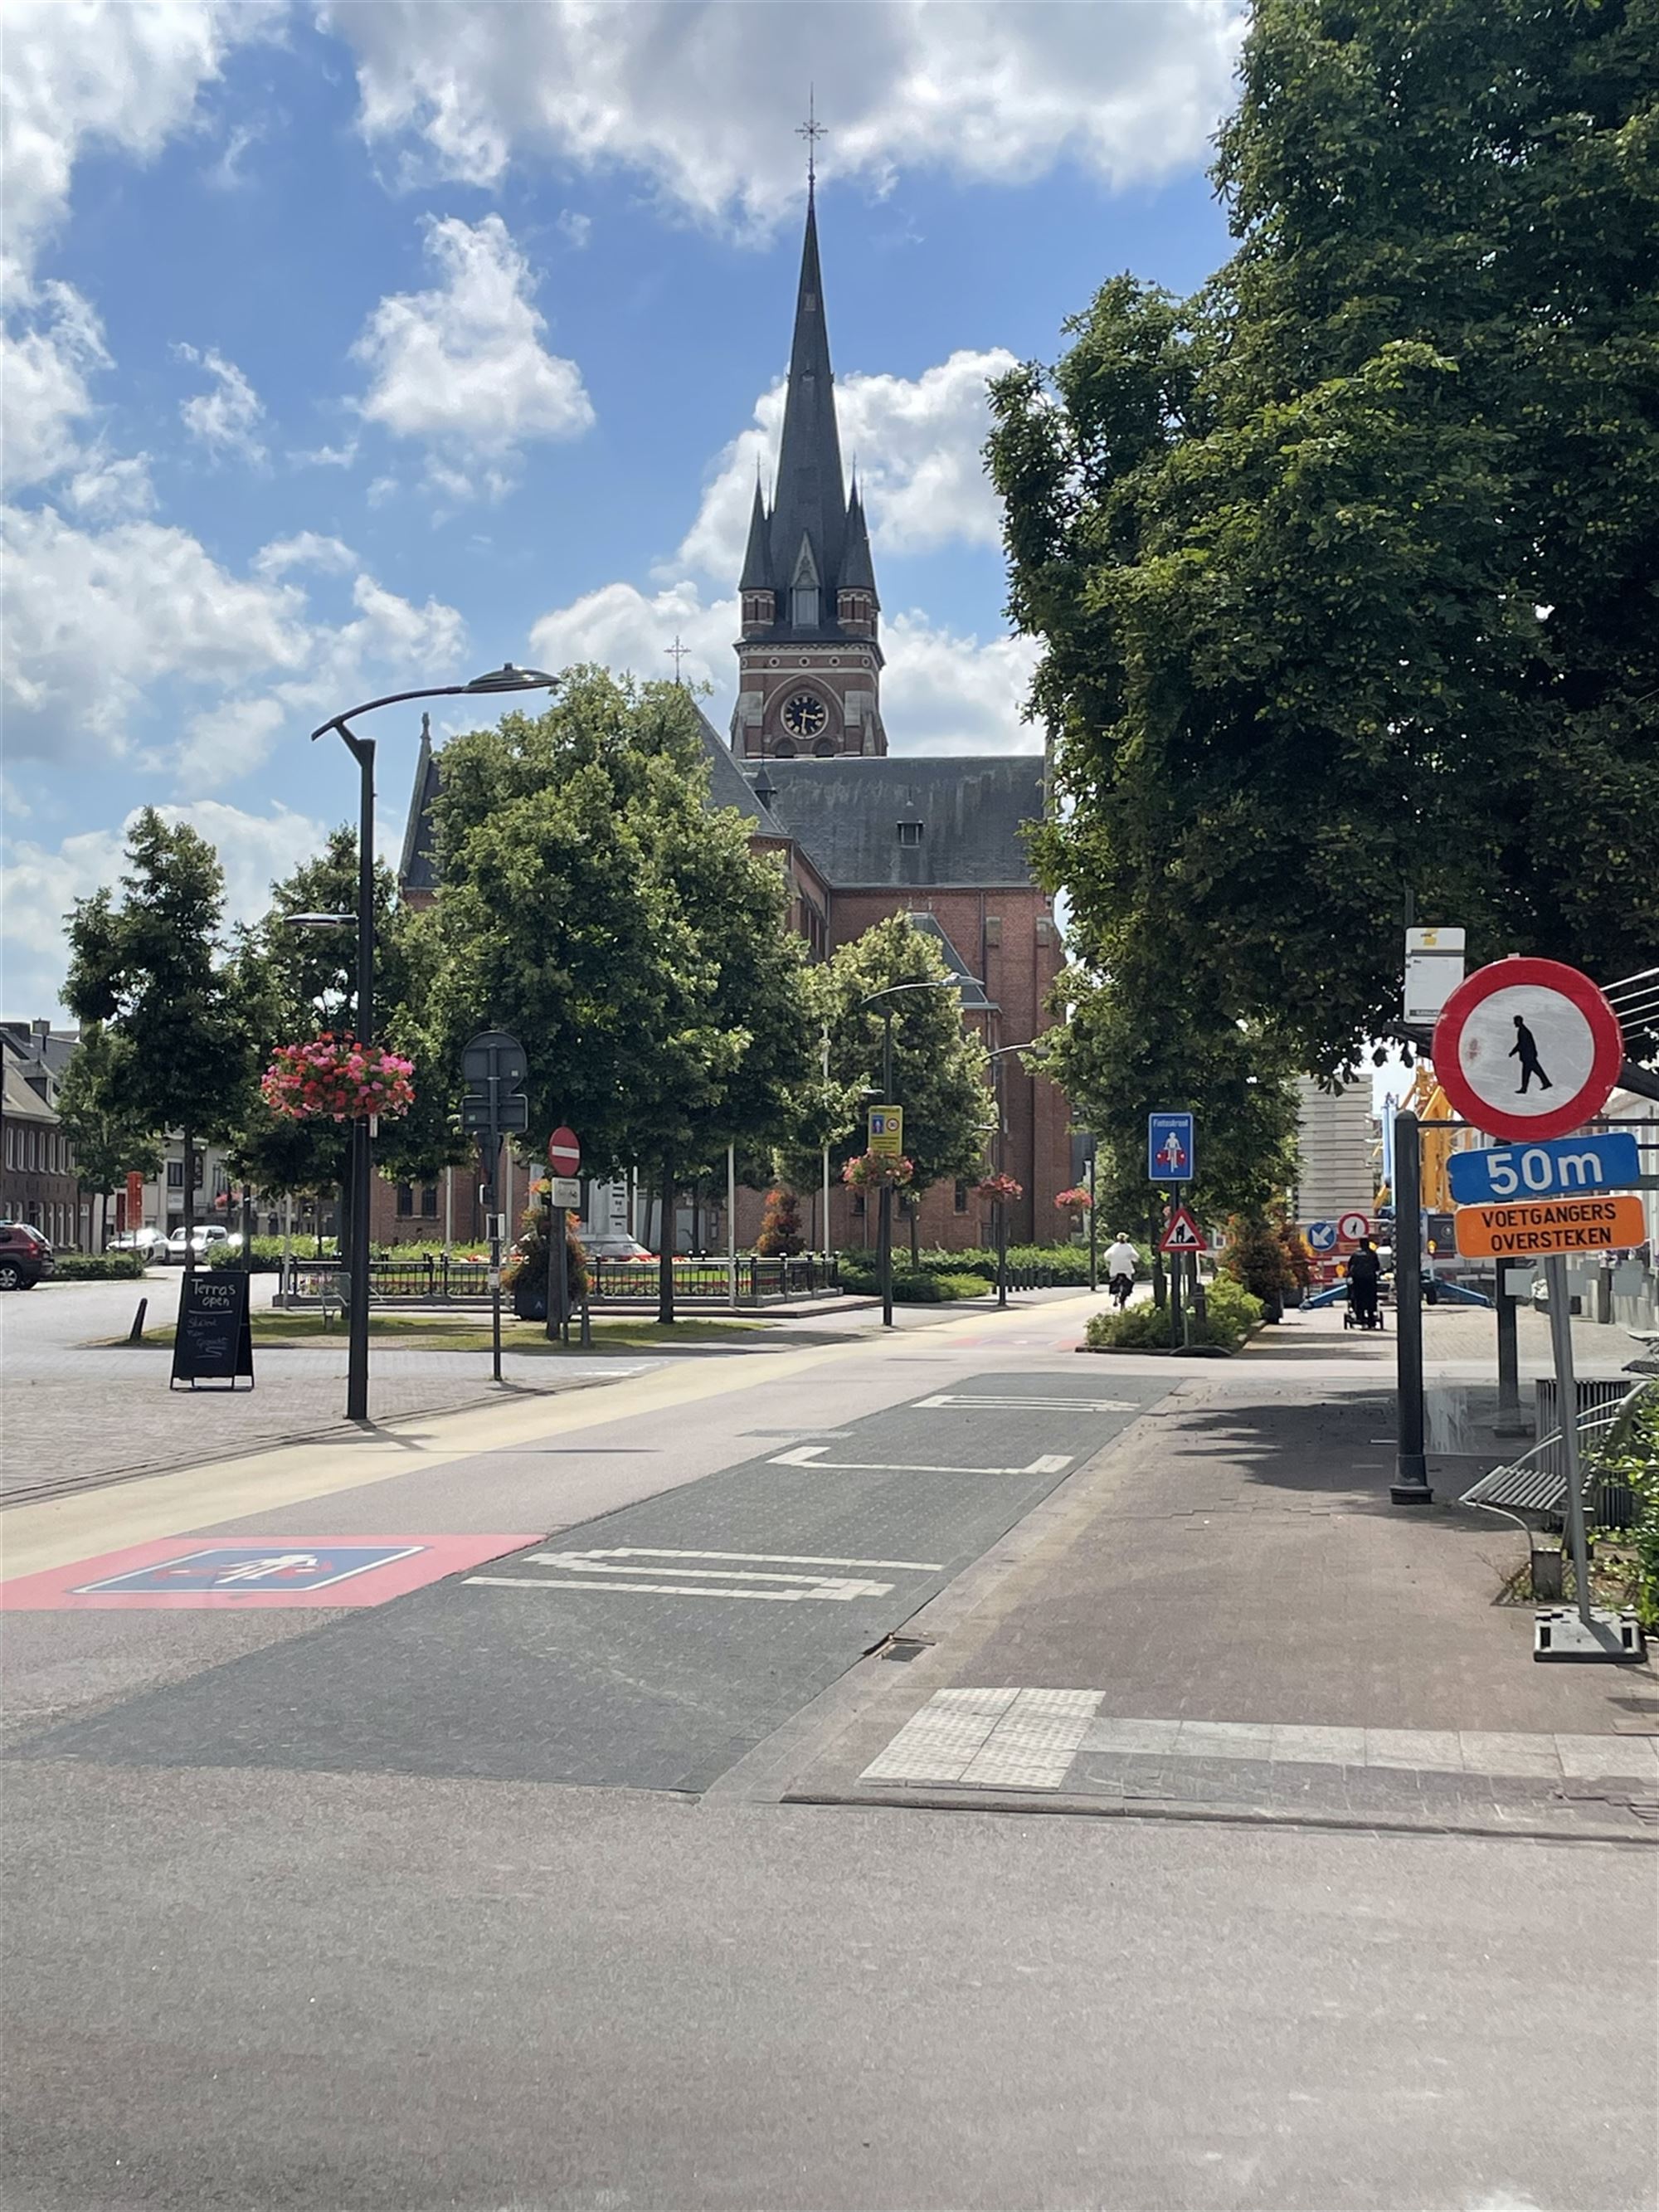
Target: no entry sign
{"points": [[564, 1154], [1528, 1048]]}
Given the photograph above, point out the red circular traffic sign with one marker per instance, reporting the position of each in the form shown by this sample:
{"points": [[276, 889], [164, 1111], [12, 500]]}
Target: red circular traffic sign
{"points": [[564, 1154], [1528, 1048]]}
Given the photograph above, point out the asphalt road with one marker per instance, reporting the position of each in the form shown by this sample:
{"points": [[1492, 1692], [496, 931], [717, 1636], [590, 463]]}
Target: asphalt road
{"points": [[487, 1896]]}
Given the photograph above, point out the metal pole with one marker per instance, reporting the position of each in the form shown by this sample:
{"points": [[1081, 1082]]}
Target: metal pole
{"points": [[1094, 1230], [1411, 1484], [732, 1223], [825, 1230], [285, 1280], [1566, 1407], [1510, 1421], [886, 1206], [1177, 1330], [361, 1141], [1002, 1210], [493, 1223], [554, 1271]]}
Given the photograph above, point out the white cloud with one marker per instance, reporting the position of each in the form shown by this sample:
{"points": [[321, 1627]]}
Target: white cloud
{"points": [[576, 228], [305, 551], [918, 444], [55, 344], [686, 92], [106, 489], [39, 883], [327, 456], [462, 367], [225, 418], [626, 628], [80, 73], [94, 621]]}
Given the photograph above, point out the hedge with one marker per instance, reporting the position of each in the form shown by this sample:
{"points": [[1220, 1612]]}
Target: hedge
{"points": [[97, 1268], [268, 1254], [912, 1286]]}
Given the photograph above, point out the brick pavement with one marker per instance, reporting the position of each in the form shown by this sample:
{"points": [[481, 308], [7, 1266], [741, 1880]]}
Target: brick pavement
{"points": [[1235, 1560]]}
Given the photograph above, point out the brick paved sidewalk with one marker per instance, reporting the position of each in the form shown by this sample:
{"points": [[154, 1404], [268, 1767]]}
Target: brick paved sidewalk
{"points": [[1235, 1560], [75, 1417]]}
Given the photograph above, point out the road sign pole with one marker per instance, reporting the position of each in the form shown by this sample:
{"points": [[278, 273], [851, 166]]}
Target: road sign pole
{"points": [[1094, 1230], [886, 1205], [1566, 1407], [1411, 1484], [1177, 1331], [490, 1164], [1509, 1361]]}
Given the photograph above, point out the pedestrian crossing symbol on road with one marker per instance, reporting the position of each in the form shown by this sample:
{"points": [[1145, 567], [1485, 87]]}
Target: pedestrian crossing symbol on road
{"points": [[1182, 1234]]}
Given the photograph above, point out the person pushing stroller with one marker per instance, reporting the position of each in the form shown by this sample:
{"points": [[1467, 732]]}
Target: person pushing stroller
{"points": [[1365, 1282]]}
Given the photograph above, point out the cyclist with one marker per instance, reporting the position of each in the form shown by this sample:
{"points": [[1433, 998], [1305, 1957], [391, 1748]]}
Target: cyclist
{"points": [[1122, 1261]]}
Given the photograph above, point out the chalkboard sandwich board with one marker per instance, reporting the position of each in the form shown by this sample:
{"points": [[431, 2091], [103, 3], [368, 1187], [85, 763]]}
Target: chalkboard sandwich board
{"points": [[214, 1341]]}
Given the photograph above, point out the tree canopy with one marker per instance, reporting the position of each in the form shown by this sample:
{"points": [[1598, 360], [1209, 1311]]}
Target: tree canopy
{"points": [[1347, 569], [152, 970]]}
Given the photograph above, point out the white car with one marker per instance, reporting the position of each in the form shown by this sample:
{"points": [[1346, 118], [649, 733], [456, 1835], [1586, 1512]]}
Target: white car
{"points": [[150, 1244], [203, 1239]]}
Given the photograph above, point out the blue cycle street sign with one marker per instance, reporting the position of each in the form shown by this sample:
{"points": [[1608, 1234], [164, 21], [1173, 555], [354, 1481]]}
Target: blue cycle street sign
{"points": [[1544, 1171], [1170, 1147], [1322, 1235]]}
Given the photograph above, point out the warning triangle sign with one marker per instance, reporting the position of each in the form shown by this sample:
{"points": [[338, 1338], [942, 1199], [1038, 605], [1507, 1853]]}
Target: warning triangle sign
{"points": [[1183, 1235]]}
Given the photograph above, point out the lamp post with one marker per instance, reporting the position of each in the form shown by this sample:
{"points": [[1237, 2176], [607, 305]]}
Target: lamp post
{"points": [[505, 679], [996, 1060], [893, 991]]}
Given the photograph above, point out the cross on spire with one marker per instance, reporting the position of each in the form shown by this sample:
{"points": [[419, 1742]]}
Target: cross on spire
{"points": [[812, 131], [678, 653]]}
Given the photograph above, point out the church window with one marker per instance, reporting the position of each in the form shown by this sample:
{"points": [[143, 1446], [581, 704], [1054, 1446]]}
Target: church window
{"points": [[803, 606], [784, 748], [909, 833], [960, 1199], [824, 748], [406, 1200]]}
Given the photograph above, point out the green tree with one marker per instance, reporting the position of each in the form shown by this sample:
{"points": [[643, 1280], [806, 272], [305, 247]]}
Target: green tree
{"points": [[152, 970], [596, 907], [1346, 569], [940, 1069], [299, 982], [94, 1106], [1126, 1048]]}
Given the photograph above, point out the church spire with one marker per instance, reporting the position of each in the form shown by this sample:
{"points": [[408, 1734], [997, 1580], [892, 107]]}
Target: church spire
{"points": [[811, 500], [757, 559]]}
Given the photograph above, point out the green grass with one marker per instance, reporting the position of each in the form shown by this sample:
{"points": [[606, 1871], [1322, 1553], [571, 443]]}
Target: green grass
{"points": [[470, 1332]]}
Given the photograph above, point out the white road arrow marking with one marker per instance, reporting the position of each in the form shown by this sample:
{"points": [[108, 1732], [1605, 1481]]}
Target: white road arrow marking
{"points": [[753, 1558], [599, 1569], [811, 1456], [826, 1586]]}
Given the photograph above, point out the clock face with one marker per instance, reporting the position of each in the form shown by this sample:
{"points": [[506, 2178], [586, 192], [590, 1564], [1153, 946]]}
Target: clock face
{"points": [[804, 716]]}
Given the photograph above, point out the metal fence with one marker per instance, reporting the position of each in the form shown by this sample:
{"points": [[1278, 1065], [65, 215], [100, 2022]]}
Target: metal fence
{"points": [[434, 1279]]}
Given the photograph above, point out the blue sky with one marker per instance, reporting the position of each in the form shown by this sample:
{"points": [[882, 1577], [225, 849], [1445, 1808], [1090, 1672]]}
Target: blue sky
{"points": [[349, 349]]}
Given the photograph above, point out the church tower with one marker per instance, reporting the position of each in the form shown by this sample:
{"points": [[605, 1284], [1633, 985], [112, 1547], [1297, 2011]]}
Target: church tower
{"points": [[809, 663]]}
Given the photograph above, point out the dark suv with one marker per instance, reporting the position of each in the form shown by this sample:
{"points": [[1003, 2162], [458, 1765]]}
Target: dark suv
{"points": [[25, 1256]]}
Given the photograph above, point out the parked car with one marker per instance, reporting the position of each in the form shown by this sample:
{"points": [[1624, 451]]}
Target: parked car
{"points": [[149, 1243], [25, 1256], [202, 1240]]}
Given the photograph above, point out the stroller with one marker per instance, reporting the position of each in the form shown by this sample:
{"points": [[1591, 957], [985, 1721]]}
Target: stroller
{"points": [[1364, 1309]]}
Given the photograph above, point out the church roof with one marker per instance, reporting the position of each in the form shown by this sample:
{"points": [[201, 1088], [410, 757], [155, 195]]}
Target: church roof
{"points": [[973, 991], [858, 572], [729, 786], [757, 557], [962, 817], [810, 498], [417, 871]]}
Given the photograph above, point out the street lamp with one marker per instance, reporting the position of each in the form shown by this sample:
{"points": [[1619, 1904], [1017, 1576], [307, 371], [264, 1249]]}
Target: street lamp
{"points": [[893, 990], [505, 679], [996, 1059]]}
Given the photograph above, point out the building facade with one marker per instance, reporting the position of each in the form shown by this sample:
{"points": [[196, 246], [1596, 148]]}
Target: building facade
{"points": [[39, 1184]]}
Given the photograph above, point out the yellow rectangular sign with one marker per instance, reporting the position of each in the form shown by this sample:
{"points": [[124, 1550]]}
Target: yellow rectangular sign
{"points": [[887, 1132], [1609, 1224]]}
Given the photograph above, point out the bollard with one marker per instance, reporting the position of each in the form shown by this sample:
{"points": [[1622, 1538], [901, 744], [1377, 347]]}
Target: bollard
{"points": [[136, 1333], [587, 1327]]}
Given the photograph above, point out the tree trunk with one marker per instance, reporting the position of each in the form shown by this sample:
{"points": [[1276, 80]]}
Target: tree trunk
{"points": [[665, 1250], [189, 1199]]}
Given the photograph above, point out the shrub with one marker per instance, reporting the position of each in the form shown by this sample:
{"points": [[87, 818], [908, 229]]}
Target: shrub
{"points": [[912, 1286], [267, 1253], [525, 1275], [1231, 1314], [1256, 1258], [1629, 1454], [780, 1235], [97, 1268]]}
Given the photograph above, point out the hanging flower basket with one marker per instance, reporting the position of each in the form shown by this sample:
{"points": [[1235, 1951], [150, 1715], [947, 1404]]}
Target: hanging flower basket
{"points": [[335, 1079], [1075, 1200], [1000, 1189], [876, 1171]]}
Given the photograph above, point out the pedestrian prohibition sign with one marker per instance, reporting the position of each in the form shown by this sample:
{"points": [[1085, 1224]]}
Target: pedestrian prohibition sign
{"points": [[1182, 1234], [1528, 1048]]}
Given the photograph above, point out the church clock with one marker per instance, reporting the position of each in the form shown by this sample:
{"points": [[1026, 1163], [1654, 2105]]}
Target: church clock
{"points": [[804, 716]]}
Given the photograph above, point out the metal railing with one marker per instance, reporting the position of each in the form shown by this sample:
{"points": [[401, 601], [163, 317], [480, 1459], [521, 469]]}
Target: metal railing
{"points": [[435, 1279]]}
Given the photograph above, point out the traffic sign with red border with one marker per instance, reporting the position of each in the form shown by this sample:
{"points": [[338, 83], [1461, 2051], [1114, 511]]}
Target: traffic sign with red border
{"points": [[564, 1152], [1527, 1048], [1182, 1234]]}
